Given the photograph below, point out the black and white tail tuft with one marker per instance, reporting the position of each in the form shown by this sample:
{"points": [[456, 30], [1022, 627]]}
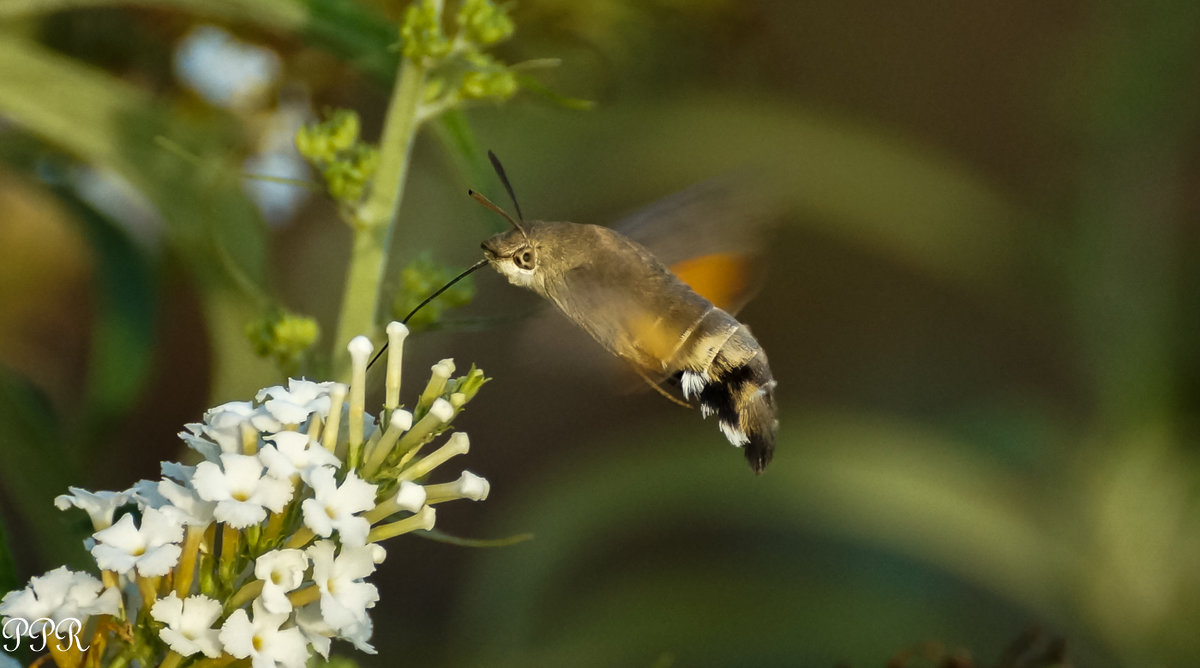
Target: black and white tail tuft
{"points": [[743, 399]]}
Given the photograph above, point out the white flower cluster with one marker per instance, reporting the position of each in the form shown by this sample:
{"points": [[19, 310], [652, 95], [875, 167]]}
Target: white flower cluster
{"points": [[261, 550]]}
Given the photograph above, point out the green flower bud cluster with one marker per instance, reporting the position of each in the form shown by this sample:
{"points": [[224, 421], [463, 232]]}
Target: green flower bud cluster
{"points": [[487, 78], [334, 148], [418, 280], [482, 22], [468, 385], [421, 32], [458, 69], [283, 337]]}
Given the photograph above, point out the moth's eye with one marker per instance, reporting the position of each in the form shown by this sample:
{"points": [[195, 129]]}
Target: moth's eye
{"points": [[525, 259]]}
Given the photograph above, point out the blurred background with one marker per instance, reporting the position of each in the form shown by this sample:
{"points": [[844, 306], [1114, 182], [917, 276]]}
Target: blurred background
{"points": [[980, 307]]}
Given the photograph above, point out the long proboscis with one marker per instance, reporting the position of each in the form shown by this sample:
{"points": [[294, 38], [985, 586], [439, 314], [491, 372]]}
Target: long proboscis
{"points": [[428, 299]]}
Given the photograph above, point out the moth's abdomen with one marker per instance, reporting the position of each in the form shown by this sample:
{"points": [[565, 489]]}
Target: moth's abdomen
{"points": [[727, 372]]}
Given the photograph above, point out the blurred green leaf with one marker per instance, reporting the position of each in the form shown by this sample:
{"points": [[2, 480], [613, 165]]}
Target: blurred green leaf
{"points": [[210, 223], [888, 485], [354, 30], [122, 344], [37, 466], [8, 568]]}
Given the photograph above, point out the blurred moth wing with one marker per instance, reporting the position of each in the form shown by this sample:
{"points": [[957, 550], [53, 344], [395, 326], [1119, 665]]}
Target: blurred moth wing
{"points": [[710, 235], [628, 300]]}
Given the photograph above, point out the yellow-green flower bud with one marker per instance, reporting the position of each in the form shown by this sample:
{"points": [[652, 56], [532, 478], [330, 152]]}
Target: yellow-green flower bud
{"points": [[422, 33], [342, 129], [483, 23], [283, 337]]}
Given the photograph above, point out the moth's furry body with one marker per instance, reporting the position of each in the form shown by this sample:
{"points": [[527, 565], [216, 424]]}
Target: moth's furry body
{"points": [[633, 305]]}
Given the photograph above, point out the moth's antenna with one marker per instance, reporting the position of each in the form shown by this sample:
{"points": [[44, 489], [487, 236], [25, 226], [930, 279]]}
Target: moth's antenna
{"points": [[507, 186], [487, 203], [428, 299]]}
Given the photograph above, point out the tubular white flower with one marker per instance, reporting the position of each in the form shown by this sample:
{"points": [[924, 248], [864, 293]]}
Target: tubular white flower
{"points": [[146, 495], [358, 634], [281, 571], [333, 507], [438, 375], [457, 444], [399, 422], [56, 596], [422, 520], [333, 423], [345, 598], [440, 413], [242, 493], [360, 355], [150, 549], [312, 623], [99, 506], [397, 332], [410, 496], [468, 486], [189, 624], [301, 399], [223, 427], [289, 453], [316, 630], [262, 640], [473, 487], [185, 505]]}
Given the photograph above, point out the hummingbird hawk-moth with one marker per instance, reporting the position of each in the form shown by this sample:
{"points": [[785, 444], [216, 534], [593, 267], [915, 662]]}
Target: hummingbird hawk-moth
{"points": [[640, 311]]}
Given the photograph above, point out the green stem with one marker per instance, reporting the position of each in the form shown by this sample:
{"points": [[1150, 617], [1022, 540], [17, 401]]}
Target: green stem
{"points": [[376, 218]]}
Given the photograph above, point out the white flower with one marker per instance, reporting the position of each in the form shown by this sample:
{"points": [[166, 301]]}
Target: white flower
{"points": [[150, 549], [334, 507], [99, 506], [189, 624], [345, 598], [145, 494], [281, 572], [319, 632], [468, 486], [185, 504], [58, 595], [243, 494], [315, 628], [473, 487], [291, 452], [410, 496], [301, 399], [221, 430], [262, 640]]}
